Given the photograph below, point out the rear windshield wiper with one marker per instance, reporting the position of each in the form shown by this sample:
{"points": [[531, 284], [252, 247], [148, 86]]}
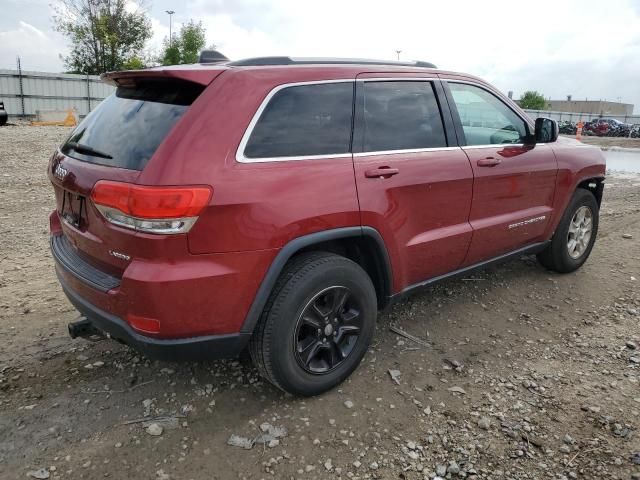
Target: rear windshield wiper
{"points": [[80, 148]]}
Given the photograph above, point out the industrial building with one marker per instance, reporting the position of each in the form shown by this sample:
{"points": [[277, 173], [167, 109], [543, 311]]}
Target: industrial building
{"points": [[597, 107]]}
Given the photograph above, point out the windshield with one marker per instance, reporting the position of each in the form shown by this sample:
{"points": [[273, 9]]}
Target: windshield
{"points": [[127, 127]]}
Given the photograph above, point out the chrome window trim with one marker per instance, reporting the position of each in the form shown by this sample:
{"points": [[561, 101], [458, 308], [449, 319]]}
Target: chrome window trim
{"points": [[241, 158], [493, 145], [408, 150], [498, 145], [396, 79]]}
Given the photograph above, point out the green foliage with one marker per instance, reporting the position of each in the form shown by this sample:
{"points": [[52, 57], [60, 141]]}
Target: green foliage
{"points": [[134, 63], [533, 100], [104, 35], [171, 55], [185, 46]]}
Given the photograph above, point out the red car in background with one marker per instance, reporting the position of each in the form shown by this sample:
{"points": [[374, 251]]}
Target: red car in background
{"points": [[597, 127]]}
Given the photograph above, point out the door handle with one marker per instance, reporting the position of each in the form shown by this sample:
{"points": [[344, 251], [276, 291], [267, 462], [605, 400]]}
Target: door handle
{"points": [[381, 172], [489, 162]]}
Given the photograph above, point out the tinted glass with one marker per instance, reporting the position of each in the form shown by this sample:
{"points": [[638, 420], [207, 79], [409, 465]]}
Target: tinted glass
{"points": [[127, 127], [400, 116], [486, 120], [304, 120]]}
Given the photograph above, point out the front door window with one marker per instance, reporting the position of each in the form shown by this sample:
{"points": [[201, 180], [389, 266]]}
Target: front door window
{"points": [[485, 119]]}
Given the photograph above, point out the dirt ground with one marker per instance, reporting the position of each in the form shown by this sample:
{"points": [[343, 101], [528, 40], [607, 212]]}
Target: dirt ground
{"points": [[608, 142], [527, 374]]}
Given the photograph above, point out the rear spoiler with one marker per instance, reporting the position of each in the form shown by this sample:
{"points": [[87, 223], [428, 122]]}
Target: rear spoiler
{"points": [[202, 75]]}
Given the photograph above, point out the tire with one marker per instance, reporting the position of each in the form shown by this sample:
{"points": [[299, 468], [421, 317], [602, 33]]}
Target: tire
{"points": [[558, 256], [312, 284]]}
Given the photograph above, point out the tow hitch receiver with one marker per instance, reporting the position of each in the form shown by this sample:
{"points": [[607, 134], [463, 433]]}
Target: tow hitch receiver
{"points": [[82, 327]]}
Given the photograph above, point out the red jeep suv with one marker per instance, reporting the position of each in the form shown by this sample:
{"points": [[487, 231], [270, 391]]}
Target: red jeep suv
{"points": [[277, 204]]}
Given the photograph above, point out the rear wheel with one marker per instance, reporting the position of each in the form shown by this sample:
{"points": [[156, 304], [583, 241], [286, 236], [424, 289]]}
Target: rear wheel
{"points": [[575, 235], [317, 324]]}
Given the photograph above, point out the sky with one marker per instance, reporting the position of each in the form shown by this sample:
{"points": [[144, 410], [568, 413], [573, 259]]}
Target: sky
{"points": [[584, 48]]}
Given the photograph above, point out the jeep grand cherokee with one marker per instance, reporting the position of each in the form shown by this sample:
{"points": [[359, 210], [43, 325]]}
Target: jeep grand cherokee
{"points": [[278, 204]]}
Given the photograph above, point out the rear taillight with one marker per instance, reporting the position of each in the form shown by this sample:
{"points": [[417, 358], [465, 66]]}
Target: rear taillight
{"points": [[164, 210]]}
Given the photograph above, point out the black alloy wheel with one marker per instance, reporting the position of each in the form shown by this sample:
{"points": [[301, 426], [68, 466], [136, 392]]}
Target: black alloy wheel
{"points": [[317, 324], [327, 330]]}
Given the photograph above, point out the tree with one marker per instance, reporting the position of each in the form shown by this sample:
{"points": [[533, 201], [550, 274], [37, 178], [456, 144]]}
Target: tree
{"points": [[134, 63], [105, 35], [185, 46], [171, 55], [533, 100]]}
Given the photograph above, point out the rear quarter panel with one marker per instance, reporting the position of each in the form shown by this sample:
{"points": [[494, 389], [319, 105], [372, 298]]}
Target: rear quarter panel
{"points": [[577, 162], [254, 205]]}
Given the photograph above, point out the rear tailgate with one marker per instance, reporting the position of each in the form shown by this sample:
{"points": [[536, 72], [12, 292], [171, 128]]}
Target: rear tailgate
{"points": [[82, 225], [114, 143]]}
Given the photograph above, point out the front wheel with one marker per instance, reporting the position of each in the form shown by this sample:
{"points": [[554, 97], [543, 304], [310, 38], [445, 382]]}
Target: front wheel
{"points": [[574, 238], [317, 324]]}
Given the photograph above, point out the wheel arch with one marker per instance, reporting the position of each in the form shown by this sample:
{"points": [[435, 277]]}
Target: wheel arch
{"points": [[363, 245], [595, 185], [592, 183]]}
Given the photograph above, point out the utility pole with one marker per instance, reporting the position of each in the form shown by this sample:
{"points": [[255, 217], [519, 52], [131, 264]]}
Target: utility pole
{"points": [[21, 86], [88, 95], [170, 12], [398, 52]]}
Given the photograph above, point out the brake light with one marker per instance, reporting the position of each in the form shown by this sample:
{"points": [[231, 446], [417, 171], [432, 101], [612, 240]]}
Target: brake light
{"points": [[150, 209]]}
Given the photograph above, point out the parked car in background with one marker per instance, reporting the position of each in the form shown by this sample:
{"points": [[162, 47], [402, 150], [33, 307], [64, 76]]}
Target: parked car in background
{"points": [[614, 122], [607, 127], [596, 127], [278, 204], [3, 114], [617, 128]]}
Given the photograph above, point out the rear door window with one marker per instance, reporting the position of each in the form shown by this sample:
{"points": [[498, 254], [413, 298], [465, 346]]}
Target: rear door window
{"points": [[400, 115], [127, 127], [303, 121]]}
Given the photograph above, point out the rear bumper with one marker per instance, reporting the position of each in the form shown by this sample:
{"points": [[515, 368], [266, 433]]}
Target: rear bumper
{"points": [[200, 301], [195, 348], [191, 296]]}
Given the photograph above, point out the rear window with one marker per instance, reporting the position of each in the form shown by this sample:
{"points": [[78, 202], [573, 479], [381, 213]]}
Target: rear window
{"points": [[304, 120], [127, 127]]}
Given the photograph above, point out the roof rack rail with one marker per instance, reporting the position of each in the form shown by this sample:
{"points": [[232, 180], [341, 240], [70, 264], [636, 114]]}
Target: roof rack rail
{"points": [[267, 61]]}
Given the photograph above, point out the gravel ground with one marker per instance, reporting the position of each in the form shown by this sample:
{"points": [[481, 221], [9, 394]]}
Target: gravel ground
{"points": [[524, 374], [607, 142]]}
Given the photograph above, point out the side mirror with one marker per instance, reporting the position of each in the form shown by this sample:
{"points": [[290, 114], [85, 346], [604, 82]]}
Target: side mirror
{"points": [[547, 130]]}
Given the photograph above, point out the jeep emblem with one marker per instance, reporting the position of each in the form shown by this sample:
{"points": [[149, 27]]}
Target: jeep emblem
{"points": [[60, 172]]}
